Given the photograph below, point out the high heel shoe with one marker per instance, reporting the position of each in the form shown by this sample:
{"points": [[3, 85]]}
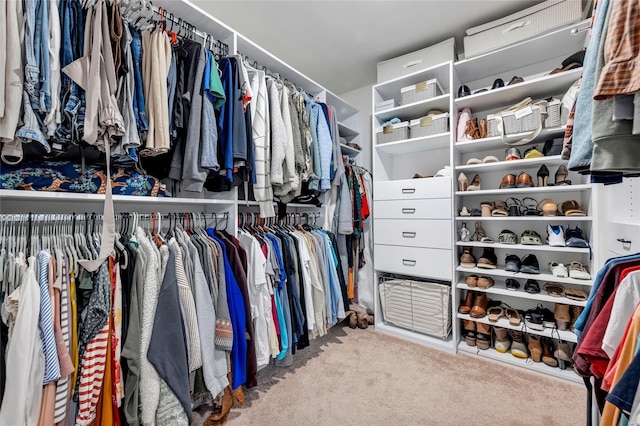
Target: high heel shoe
{"points": [[481, 235], [561, 176], [543, 176], [463, 182], [475, 184]]}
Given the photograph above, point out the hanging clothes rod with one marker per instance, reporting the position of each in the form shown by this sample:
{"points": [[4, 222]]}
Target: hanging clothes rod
{"points": [[60, 217]]}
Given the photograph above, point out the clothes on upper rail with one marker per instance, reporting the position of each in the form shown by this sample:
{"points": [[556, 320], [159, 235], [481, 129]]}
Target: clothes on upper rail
{"points": [[608, 331], [606, 129], [164, 325], [195, 120]]}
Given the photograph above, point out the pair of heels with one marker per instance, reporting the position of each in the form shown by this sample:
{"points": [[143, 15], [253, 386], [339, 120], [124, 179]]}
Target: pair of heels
{"points": [[463, 183], [560, 176]]}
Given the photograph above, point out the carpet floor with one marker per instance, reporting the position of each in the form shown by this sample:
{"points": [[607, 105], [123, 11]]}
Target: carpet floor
{"points": [[359, 377]]}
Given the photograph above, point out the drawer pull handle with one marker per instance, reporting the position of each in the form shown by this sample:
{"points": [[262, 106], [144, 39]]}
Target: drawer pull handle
{"points": [[408, 211], [408, 262], [408, 190], [413, 63], [623, 241], [409, 234]]}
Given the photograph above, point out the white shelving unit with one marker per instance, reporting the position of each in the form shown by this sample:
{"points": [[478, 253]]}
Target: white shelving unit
{"points": [[395, 163], [532, 60]]}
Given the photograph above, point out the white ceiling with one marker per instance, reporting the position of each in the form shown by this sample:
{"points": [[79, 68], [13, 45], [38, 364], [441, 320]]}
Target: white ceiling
{"points": [[338, 43]]}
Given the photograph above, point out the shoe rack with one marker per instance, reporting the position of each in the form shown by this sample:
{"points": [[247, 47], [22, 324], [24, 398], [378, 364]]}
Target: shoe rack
{"points": [[413, 217], [531, 60]]}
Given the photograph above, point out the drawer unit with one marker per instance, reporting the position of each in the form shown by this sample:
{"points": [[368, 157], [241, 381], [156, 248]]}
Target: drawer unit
{"points": [[623, 239], [421, 262], [439, 187], [439, 208], [414, 233]]}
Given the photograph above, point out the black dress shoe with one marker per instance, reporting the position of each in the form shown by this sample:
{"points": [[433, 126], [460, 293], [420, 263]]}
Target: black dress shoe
{"points": [[497, 83], [463, 91], [480, 91]]}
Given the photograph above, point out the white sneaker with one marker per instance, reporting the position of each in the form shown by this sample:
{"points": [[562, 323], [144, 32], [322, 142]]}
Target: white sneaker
{"points": [[558, 270], [445, 171], [555, 235], [578, 271]]}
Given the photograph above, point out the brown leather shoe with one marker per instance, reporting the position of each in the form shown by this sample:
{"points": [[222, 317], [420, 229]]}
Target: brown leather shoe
{"points": [[467, 259], [471, 280], [562, 316], [479, 308], [525, 180], [535, 348], [485, 282], [465, 307], [508, 181], [488, 260], [547, 352]]}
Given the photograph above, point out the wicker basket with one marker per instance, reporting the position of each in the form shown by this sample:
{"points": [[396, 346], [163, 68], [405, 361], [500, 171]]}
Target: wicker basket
{"points": [[553, 114], [429, 125], [396, 132], [514, 122], [419, 306], [420, 91]]}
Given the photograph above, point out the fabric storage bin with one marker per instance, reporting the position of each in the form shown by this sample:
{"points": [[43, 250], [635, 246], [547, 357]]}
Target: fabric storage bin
{"points": [[420, 91], [392, 133], [432, 124], [385, 105], [522, 25], [419, 306], [417, 61]]}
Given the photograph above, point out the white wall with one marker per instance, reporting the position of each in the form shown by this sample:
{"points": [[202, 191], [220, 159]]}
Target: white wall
{"points": [[361, 100]]}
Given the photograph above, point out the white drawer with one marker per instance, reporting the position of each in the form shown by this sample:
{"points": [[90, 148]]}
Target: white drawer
{"points": [[630, 234], [439, 208], [439, 187], [416, 61], [414, 233], [422, 262]]}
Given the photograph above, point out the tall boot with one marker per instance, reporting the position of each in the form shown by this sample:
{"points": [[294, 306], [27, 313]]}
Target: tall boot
{"points": [[535, 348], [479, 308], [562, 316], [503, 343], [483, 336], [465, 307], [575, 313], [469, 332], [547, 352]]}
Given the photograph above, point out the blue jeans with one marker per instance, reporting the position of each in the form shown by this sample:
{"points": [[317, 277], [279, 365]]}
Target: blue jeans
{"points": [[71, 95], [139, 107]]}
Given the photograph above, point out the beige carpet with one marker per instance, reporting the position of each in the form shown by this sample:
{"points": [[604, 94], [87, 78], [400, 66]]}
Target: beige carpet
{"points": [[363, 377]]}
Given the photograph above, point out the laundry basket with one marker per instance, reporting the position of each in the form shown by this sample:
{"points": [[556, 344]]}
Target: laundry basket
{"points": [[419, 306]]}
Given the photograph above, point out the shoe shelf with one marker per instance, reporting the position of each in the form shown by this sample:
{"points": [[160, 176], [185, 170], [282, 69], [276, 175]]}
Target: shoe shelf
{"points": [[423, 339], [554, 160], [416, 109], [528, 191], [528, 364], [347, 132], [541, 278], [502, 290], [565, 335], [527, 218], [524, 247], [497, 142], [348, 150], [407, 146], [537, 88], [560, 42]]}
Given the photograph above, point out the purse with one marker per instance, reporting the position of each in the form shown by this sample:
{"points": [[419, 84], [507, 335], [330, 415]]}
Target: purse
{"points": [[522, 109], [530, 207]]}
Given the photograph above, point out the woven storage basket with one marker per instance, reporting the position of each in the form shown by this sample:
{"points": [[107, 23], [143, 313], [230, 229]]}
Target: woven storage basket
{"points": [[430, 125], [553, 114], [420, 91], [396, 132], [420, 306]]}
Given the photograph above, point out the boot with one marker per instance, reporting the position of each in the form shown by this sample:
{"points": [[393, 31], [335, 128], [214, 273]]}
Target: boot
{"points": [[469, 332], [352, 317], [479, 308], [562, 316], [563, 355], [488, 260], [467, 259], [547, 352], [535, 348], [465, 307], [503, 343], [483, 336], [575, 313], [518, 348]]}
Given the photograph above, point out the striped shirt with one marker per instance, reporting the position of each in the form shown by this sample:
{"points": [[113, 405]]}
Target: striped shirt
{"points": [[52, 365]]}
